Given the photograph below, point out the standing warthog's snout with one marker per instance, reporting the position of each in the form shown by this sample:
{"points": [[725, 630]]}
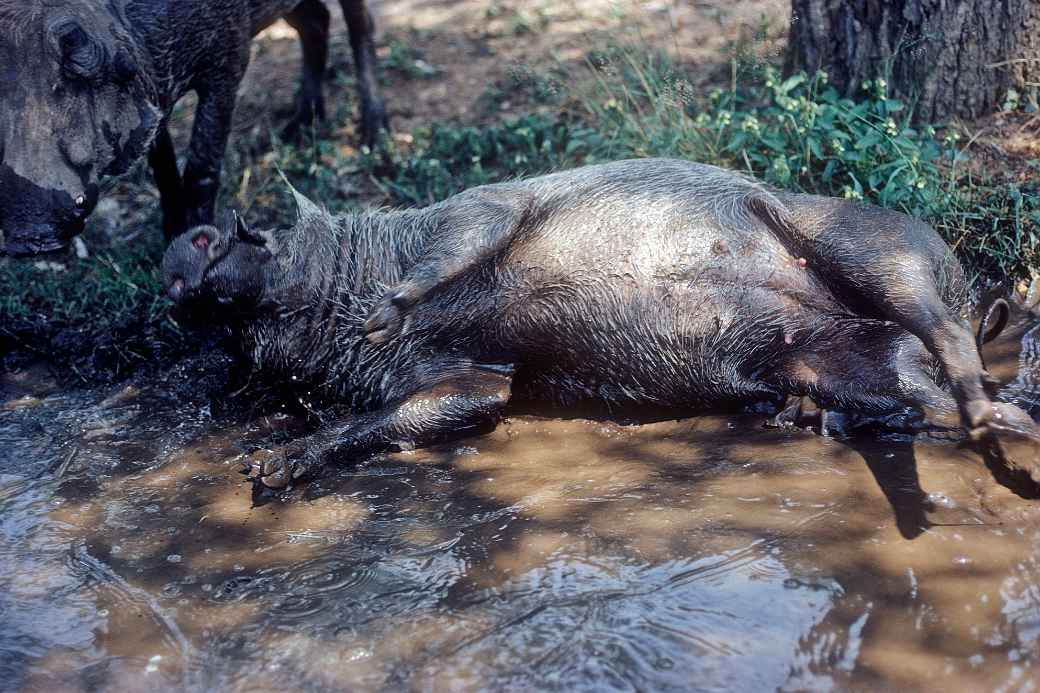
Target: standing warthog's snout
{"points": [[35, 220]]}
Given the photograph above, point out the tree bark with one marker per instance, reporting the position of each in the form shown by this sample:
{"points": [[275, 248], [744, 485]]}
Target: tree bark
{"points": [[949, 57]]}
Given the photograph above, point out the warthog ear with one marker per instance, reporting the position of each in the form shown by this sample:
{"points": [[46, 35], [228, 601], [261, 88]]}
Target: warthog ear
{"points": [[82, 57], [304, 207], [245, 234], [993, 322], [234, 226]]}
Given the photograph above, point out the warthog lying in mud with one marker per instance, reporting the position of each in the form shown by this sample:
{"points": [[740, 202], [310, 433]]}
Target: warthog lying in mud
{"points": [[647, 282], [86, 87]]}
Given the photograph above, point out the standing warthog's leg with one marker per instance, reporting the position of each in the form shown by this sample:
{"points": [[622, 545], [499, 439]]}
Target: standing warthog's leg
{"points": [[373, 112], [162, 157], [209, 137], [310, 19], [466, 400]]}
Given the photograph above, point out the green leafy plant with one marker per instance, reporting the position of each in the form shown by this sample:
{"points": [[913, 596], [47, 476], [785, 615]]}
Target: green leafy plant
{"points": [[448, 159]]}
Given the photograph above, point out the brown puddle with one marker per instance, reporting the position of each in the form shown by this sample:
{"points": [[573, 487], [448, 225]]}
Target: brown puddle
{"points": [[706, 553]]}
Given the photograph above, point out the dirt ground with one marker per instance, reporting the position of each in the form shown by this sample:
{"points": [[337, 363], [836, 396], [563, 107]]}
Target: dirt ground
{"points": [[478, 43], [465, 48]]}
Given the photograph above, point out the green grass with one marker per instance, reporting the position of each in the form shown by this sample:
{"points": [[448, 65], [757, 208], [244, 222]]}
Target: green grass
{"points": [[449, 159], [406, 61], [104, 315]]}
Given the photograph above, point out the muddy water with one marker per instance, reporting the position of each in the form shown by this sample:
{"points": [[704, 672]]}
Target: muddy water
{"points": [[706, 553]]}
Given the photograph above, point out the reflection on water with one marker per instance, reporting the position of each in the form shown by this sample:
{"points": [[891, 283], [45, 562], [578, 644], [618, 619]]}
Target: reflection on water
{"points": [[707, 553]]}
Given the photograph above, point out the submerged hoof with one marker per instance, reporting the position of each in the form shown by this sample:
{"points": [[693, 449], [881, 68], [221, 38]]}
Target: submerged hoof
{"points": [[1007, 419], [791, 416], [1016, 435]]}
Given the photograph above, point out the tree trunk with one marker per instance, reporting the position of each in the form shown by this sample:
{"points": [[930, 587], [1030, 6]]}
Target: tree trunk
{"points": [[949, 57]]}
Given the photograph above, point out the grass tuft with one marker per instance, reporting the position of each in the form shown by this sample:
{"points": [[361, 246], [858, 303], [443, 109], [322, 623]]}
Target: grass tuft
{"points": [[101, 317]]}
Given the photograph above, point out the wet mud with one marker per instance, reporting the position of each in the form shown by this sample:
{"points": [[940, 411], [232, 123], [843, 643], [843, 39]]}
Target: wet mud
{"points": [[707, 553]]}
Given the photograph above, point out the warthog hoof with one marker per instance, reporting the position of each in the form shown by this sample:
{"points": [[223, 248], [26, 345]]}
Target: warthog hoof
{"points": [[1017, 436], [387, 319], [277, 470], [988, 418], [374, 125]]}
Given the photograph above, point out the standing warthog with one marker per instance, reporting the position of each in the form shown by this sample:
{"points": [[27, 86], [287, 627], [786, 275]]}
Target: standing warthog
{"points": [[650, 282], [86, 87]]}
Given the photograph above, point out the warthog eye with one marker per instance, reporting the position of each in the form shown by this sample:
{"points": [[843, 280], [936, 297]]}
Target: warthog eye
{"points": [[200, 241]]}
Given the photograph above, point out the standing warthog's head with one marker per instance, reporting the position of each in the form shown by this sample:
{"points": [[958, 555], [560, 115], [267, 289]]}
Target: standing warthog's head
{"points": [[75, 105]]}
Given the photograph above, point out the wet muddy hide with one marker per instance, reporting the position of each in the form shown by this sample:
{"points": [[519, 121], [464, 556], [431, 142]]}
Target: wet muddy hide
{"points": [[648, 283]]}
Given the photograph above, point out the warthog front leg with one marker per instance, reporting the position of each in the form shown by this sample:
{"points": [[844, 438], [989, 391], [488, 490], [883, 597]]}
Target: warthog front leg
{"points": [[310, 19], [481, 224], [374, 119], [162, 157], [464, 401], [209, 136]]}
